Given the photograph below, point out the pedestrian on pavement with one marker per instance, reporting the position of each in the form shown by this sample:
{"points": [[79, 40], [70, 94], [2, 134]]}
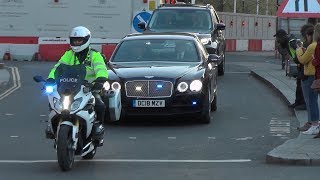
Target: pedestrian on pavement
{"points": [[282, 40], [300, 68], [299, 103], [284, 49], [316, 56], [305, 56]]}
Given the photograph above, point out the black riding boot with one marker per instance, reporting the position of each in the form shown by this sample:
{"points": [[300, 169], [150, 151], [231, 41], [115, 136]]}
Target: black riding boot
{"points": [[49, 134], [98, 129]]}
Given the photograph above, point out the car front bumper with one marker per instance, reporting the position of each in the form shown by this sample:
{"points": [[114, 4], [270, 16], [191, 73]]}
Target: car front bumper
{"points": [[176, 105]]}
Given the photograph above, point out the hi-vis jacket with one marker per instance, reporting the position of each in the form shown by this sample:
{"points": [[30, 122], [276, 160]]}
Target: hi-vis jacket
{"points": [[94, 62]]}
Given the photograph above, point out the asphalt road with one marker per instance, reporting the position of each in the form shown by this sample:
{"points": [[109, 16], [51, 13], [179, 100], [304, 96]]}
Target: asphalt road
{"points": [[250, 121]]}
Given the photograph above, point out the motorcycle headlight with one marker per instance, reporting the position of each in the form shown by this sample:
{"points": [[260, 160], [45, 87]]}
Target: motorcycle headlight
{"points": [[66, 102], [57, 104], [106, 86], [49, 89], [205, 41], [115, 86], [182, 87], [76, 104], [196, 85]]}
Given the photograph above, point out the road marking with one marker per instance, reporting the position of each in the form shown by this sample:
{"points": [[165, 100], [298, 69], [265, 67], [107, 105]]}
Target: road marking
{"points": [[243, 118], [16, 83], [43, 115], [8, 114], [14, 136], [133, 161], [172, 138], [133, 138], [237, 72], [243, 139], [279, 128]]}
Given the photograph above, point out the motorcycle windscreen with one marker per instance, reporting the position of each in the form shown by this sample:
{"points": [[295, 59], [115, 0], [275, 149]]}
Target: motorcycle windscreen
{"points": [[69, 78]]}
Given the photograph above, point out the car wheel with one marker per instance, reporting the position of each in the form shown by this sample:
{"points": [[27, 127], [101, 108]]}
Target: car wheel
{"points": [[221, 66], [206, 110], [214, 103]]}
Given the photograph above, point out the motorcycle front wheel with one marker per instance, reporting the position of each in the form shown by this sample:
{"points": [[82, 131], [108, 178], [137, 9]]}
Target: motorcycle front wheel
{"points": [[65, 152]]}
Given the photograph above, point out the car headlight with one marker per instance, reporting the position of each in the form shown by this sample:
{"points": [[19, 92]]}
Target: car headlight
{"points": [[115, 86], [76, 104], [182, 87], [57, 104], [106, 86], [205, 41], [196, 86]]}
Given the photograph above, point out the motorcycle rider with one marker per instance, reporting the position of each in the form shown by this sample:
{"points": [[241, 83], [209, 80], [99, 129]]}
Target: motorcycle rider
{"points": [[96, 72]]}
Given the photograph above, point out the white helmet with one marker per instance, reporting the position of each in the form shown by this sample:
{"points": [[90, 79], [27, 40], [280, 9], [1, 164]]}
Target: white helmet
{"points": [[79, 33]]}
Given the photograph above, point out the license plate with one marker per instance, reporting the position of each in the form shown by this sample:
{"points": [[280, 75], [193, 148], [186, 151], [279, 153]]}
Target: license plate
{"points": [[148, 103]]}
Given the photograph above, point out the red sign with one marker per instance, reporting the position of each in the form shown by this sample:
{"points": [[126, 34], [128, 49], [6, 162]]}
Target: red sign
{"points": [[299, 9]]}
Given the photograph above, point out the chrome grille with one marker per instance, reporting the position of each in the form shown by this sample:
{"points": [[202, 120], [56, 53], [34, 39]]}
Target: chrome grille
{"points": [[148, 88]]}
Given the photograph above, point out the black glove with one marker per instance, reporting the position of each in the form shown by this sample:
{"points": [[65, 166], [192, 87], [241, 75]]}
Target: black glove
{"points": [[50, 81], [97, 86]]}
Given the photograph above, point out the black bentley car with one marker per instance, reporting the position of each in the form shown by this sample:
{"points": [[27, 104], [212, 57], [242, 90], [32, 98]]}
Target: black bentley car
{"points": [[164, 74]]}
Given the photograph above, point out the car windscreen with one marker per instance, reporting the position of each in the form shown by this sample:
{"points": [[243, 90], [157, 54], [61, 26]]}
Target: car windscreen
{"points": [[174, 50], [181, 20]]}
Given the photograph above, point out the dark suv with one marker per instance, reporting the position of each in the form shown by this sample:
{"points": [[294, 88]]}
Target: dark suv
{"points": [[200, 19]]}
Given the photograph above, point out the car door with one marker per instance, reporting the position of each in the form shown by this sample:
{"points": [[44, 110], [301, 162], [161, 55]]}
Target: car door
{"points": [[211, 68]]}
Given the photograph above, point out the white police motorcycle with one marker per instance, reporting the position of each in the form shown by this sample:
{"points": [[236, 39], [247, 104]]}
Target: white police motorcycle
{"points": [[71, 115]]}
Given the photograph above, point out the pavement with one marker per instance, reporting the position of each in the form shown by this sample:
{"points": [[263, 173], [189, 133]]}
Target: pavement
{"points": [[303, 150]]}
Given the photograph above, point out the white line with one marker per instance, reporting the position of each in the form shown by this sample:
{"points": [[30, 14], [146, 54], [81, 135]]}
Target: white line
{"points": [[16, 83], [172, 138], [237, 72], [134, 161]]}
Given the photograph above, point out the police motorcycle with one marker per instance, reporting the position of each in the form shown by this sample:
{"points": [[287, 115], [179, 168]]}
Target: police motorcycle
{"points": [[71, 115]]}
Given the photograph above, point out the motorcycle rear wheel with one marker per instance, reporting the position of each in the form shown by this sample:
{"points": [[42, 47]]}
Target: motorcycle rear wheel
{"points": [[65, 152]]}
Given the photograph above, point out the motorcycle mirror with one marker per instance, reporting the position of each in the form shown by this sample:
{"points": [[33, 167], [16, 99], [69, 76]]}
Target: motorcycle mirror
{"points": [[38, 79]]}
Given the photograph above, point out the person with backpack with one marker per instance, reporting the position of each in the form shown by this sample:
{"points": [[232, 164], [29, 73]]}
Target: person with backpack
{"points": [[287, 48]]}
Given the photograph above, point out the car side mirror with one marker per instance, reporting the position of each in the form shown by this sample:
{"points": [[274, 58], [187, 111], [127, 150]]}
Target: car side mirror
{"points": [[142, 25], [213, 58], [221, 26], [38, 79]]}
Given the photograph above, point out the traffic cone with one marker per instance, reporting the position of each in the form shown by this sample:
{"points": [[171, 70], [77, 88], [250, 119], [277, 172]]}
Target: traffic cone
{"points": [[36, 57], [7, 56]]}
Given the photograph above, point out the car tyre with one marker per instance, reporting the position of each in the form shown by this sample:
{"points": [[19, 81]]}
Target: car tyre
{"points": [[206, 110], [214, 103], [221, 66]]}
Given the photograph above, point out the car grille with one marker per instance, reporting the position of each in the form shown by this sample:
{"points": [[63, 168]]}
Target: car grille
{"points": [[148, 88]]}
